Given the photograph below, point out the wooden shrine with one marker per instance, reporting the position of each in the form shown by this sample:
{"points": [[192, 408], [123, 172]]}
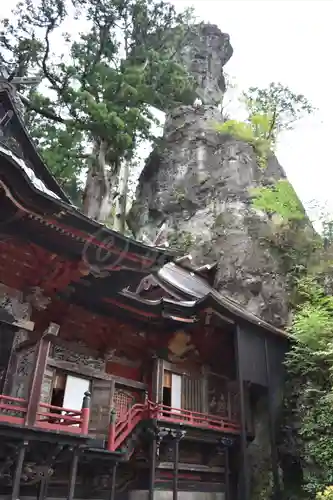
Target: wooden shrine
{"points": [[122, 372]]}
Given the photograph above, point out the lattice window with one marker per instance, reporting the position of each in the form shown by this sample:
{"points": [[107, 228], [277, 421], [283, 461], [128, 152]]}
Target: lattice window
{"points": [[123, 400]]}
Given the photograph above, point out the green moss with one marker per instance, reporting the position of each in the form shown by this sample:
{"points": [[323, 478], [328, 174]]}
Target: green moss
{"points": [[182, 241], [280, 199], [256, 131], [180, 194]]}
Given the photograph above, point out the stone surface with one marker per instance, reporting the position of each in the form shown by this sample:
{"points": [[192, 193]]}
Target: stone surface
{"points": [[199, 183], [204, 53]]}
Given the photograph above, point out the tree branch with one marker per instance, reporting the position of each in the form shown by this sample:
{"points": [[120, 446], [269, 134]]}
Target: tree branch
{"points": [[43, 112]]}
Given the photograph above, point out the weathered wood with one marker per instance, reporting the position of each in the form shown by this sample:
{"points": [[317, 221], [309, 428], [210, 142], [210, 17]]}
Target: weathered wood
{"points": [[18, 472], [192, 467], [20, 323], [37, 381], [94, 374], [101, 404], [40, 367]]}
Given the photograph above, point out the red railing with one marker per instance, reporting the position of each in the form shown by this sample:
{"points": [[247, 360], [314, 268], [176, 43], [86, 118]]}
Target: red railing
{"points": [[13, 410], [50, 417], [61, 419], [188, 417], [121, 429]]}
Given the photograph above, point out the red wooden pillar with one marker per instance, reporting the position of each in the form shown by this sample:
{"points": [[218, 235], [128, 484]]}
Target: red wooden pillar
{"points": [[85, 413], [37, 380], [112, 430]]}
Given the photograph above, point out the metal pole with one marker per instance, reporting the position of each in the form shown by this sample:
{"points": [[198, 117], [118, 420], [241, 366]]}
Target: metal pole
{"points": [[152, 471], [113, 484], [18, 472], [227, 473], [175, 468], [72, 477], [177, 436], [43, 485], [274, 454], [244, 492]]}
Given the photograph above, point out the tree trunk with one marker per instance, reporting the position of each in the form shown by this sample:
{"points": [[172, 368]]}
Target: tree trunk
{"points": [[100, 185], [121, 201]]}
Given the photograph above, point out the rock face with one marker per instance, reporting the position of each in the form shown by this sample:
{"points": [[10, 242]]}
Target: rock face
{"points": [[200, 184], [204, 53]]}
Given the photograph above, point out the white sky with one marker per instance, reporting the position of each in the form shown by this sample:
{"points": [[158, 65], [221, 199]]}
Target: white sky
{"points": [[285, 41]]}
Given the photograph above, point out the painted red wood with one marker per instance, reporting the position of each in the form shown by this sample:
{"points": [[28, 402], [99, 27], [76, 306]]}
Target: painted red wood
{"points": [[120, 430], [73, 421], [178, 415], [55, 419]]}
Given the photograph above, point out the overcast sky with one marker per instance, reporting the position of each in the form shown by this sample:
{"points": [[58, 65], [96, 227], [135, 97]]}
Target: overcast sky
{"points": [[285, 41]]}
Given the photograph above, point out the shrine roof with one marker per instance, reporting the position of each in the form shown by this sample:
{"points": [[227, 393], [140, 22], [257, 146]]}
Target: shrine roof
{"points": [[22, 143], [194, 294], [43, 213]]}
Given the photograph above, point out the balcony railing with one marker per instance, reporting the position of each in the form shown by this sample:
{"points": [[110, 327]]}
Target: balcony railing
{"points": [[56, 418], [193, 418], [120, 429], [48, 417]]}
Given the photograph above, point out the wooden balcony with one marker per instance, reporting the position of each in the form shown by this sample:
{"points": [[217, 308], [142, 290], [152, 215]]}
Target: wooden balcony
{"points": [[15, 411], [193, 418], [48, 417], [120, 429]]}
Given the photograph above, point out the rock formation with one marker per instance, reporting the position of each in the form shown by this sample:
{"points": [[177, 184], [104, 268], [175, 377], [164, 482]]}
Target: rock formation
{"points": [[199, 183], [204, 53]]}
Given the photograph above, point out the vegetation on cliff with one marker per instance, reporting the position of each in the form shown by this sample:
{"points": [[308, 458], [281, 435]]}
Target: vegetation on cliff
{"points": [[270, 110], [307, 430]]}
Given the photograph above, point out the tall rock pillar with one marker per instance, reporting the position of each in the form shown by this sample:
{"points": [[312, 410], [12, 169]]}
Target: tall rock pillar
{"points": [[199, 182]]}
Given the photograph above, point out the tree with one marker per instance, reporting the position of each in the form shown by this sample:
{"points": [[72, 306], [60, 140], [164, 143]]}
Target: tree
{"points": [[270, 111], [280, 104], [93, 107]]}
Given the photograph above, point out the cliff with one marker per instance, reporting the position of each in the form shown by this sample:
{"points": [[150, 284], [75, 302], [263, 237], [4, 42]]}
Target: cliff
{"points": [[199, 183]]}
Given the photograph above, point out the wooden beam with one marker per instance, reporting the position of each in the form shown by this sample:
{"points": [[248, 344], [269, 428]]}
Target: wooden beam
{"points": [[192, 467], [68, 366], [37, 380]]}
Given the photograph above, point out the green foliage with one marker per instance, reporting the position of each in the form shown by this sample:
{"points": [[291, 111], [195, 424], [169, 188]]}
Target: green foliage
{"points": [[281, 104], [313, 319], [99, 88], [255, 131], [326, 494], [279, 199], [309, 396], [270, 111], [289, 233]]}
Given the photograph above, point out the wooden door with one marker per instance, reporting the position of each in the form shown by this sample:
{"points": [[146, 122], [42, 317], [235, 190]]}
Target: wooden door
{"points": [[192, 393], [101, 404]]}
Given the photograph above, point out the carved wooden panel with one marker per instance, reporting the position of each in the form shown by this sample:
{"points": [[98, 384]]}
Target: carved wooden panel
{"points": [[64, 354], [24, 370], [218, 396], [11, 300], [47, 385]]}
